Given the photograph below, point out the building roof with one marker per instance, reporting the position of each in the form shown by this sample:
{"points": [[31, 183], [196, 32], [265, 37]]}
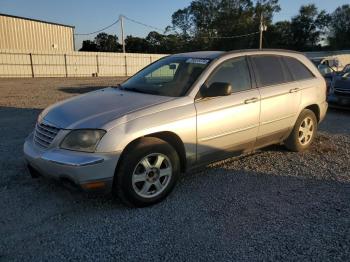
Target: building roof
{"points": [[35, 20]]}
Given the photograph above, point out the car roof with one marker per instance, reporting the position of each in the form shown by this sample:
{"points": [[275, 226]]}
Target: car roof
{"points": [[202, 54], [216, 54]]}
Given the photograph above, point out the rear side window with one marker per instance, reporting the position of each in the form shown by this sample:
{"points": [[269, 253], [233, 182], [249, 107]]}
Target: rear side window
{"points": [[298, 69], [270, 70]]}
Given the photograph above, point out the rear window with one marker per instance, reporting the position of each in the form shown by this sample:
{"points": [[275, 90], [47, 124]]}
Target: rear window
{"points": [[298, 69], [270, 70]]}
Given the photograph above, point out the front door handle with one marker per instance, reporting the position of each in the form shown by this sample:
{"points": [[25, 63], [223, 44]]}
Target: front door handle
{"points": [[294, 90], [251, 100]]}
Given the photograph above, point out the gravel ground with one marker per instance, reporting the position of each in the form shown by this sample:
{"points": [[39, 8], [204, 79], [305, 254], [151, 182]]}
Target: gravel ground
{"points": [[271, 205]]}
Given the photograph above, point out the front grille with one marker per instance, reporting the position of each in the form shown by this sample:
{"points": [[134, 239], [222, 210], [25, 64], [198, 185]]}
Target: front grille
{"points": [[44, 134], [342, 91]]}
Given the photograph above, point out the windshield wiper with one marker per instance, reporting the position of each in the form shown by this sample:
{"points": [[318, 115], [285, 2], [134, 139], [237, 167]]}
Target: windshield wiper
{"points": [[133, 89]]}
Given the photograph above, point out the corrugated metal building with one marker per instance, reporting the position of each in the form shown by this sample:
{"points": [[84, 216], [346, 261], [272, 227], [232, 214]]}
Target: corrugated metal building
{"points": [[25, 34]]}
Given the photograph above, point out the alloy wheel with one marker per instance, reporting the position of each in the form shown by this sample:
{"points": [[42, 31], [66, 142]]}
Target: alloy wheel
{"points": [[152, 175], [306, 131]]}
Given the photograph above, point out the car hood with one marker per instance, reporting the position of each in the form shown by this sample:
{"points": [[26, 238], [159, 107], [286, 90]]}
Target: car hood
{"points": [[94, 109], [343, 83]]}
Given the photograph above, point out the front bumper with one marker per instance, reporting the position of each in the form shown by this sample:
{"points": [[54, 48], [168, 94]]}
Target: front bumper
{"points": [[339, 100], [89, 171]]}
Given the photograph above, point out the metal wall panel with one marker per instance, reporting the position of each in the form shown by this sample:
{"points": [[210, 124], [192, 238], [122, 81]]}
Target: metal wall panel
{"points": [[28, 35]]}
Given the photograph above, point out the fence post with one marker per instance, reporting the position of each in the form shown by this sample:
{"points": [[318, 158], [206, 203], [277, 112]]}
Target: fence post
{"points": [[65, 64], [150, 59], [126, 65], [97, 66], [31, 64]]}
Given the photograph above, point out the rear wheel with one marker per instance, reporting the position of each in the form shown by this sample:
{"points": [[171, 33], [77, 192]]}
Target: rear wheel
{"points": [[148, 172], [303, 133]]}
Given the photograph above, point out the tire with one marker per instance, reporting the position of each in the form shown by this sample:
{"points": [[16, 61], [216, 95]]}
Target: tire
{"points": [[303, 133], [147, 173]]}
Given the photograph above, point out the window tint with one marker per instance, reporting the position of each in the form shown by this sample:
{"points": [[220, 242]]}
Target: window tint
{"points": [[298, 69], [270, 70], [234, 72]]}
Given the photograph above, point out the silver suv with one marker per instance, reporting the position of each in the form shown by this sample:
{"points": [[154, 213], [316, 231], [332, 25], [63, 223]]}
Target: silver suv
{"points": [[178, 113]]}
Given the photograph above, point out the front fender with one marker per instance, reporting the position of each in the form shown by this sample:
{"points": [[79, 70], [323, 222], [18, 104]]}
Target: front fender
{"points": [[180, 121]]}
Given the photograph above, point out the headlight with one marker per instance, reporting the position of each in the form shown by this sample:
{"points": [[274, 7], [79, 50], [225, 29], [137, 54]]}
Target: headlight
{"points": [[84, 140]]}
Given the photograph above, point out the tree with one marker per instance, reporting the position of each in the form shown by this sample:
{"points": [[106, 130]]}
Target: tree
{"points": [[89, 46], [136, 45], [181, 19], [339, 37], [107, 43], [280, 35], [308, 27], [210, 23]]}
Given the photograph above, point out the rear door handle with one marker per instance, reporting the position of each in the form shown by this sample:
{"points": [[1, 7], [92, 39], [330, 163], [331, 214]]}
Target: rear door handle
{"points": [[251, 100], [294, 90]]}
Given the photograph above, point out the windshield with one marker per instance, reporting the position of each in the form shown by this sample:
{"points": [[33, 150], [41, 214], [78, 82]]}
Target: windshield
{"points": [[171, 76], [325, 69]]}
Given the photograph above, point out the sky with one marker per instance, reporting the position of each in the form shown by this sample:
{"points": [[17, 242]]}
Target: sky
{"points": [[88, 16]]}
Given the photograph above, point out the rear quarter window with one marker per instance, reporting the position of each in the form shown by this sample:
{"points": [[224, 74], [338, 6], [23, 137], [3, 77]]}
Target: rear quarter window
{"points": [[298, 70]]}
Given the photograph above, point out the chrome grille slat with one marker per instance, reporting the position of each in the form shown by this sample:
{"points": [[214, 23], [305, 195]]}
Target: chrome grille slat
{"points": [[50, 135], [44, 134], [37, 141], [48, 129], [48, 140]]}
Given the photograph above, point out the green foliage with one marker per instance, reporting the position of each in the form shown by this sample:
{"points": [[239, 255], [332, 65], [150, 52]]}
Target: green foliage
{"points": [[307, 27], [89, 46], [210, 25], [279, 35], [136, 44], [107, 43], [339, 37], [103, 42]]}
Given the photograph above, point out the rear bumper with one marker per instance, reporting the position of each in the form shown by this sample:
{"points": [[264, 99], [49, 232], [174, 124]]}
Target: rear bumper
{"points": [[88, 171]]}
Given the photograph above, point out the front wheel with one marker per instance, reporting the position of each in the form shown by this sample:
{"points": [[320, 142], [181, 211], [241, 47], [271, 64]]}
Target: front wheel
{"points": [[303, 133], [148, 172]]}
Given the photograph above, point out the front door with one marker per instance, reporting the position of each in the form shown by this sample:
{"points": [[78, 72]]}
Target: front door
{"points": [[228, 124]]}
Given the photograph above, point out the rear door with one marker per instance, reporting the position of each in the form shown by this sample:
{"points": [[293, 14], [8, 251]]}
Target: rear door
{"points": [[280, 97]]}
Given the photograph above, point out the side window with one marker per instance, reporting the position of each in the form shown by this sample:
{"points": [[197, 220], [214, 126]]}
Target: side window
{"points": [[298, 69], [234, 72], [270, 70]]}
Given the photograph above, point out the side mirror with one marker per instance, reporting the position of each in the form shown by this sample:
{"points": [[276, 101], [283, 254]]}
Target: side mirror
{"points": [[216, 89]]}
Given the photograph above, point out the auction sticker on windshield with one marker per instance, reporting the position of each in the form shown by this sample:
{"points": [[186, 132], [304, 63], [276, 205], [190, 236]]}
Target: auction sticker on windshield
{"points": [[197, 61]]}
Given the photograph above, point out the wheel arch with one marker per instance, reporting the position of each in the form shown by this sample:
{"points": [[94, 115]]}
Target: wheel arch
{"points": [[171, 138], [316, 110], [175, 141]]}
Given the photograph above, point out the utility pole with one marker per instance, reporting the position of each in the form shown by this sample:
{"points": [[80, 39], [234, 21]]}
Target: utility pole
{"points": [[261, 30], [121, 18]]}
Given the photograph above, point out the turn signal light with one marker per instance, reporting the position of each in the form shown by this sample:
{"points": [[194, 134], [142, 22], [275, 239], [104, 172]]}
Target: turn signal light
{"points": [[94, 185]]}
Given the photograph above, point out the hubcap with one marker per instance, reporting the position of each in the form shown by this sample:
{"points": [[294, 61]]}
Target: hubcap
{"points": [[152, 175], [306, 131]]}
